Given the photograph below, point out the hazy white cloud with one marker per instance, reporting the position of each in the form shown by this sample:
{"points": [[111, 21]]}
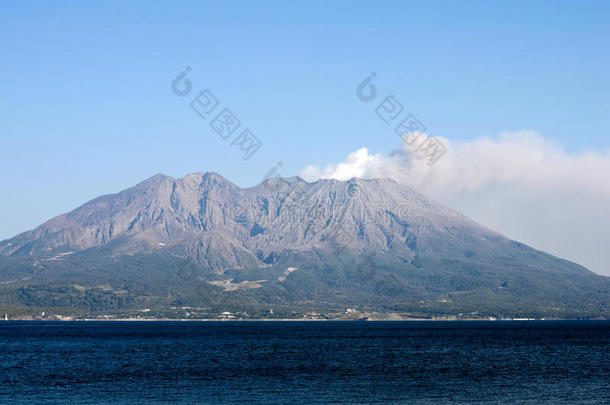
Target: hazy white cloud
{"points": [[519, 184]]}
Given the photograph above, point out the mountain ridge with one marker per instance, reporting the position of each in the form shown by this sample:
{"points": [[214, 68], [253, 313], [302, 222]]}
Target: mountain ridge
{"points": [[415, 248]]}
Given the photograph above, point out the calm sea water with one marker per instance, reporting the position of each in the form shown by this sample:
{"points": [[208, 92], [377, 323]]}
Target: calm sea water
{"points": [[300, 362]]}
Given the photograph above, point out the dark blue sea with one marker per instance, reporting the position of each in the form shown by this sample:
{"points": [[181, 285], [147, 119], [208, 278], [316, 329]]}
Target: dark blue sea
{"points": [[305, 362]]}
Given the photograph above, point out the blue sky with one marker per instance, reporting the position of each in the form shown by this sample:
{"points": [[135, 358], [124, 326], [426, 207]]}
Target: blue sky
{"points": [[86, 106]]}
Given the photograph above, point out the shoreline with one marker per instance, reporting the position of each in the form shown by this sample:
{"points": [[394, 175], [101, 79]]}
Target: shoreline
{"points": [[296, 320]]}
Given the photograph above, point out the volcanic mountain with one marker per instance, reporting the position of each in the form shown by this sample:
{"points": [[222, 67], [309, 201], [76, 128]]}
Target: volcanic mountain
{"points": [[202, 241]]}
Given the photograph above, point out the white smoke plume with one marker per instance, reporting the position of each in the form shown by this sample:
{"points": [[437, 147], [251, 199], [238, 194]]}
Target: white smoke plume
{"points": [[519, 184]]}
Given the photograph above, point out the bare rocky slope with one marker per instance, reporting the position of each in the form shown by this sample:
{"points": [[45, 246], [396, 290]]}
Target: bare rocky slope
{"points": [[201, 240]]}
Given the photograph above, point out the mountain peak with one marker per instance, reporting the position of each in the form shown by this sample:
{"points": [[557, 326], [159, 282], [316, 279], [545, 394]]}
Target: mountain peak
{"points": [[153, 181], [215, 176], [159, 177]]}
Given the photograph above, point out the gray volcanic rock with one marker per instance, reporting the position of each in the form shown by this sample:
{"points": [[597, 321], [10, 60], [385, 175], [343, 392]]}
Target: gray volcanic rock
{"points": [[417, 247], [207, 212]]}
